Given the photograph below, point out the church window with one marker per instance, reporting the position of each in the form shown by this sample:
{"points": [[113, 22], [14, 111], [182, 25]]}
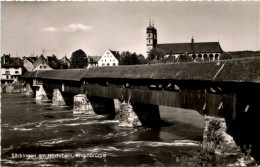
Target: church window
{"points": [[107, 64], [114, 64], [211, 57], [40, 67], [216, 56], [199, 55]]}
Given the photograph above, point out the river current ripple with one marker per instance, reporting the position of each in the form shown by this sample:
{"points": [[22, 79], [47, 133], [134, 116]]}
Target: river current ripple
{"points": [[33, 128]]}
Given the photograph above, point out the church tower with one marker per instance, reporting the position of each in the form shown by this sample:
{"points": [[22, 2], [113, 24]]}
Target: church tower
{"points": [[151, 38]]}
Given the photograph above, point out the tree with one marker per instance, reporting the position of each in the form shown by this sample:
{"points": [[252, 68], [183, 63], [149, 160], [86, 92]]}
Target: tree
{"points": [[141, 59], [156, 54], [184, 58], [79, 59], [128, 58]]}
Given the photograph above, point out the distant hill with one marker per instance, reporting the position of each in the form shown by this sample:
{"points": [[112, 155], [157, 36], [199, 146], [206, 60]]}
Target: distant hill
{"points": [[244, 54]]}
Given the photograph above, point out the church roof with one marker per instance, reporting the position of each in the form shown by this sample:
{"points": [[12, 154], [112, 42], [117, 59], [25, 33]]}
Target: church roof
{"points": [[199, 47]]}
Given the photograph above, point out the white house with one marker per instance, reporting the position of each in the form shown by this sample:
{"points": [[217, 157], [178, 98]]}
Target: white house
{"points": [[11, 69], [109, 58]]}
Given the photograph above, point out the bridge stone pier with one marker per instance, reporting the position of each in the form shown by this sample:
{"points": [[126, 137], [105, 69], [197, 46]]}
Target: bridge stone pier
{"points": [[228, 89], [81, 105], [57, 99], [40, 93]]}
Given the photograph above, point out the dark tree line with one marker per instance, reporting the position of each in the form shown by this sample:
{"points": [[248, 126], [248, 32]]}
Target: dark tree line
{"points": [[128, 58]]}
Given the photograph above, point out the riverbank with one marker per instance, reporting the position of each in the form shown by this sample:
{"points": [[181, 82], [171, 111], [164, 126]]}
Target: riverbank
{"points": [[13, 88]]}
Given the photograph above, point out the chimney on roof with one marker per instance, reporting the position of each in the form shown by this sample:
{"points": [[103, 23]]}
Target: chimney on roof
{"points": [[192, 40]]}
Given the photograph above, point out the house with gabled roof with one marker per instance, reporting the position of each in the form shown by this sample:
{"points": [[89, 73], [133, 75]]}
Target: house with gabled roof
{"points": [[65, 62], [11, 69], [41, 64], [109, 58], [28, 62], [207, 51], [93, 61]]}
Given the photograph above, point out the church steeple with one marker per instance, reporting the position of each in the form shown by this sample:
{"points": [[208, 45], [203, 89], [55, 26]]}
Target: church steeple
{"points": [[151, 39]]}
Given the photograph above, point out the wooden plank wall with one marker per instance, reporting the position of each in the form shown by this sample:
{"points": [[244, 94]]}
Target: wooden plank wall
{"points": [[209, 104]]}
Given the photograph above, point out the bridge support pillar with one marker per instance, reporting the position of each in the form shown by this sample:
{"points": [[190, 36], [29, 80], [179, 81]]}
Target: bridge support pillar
{"points": [[81, 105], [40, 93], [127, 116], [148, 114], [103, 105], [29, 91], [57, 99]]}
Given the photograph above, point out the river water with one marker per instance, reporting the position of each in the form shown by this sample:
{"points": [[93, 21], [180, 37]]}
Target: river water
{"points": [[38, 134]]}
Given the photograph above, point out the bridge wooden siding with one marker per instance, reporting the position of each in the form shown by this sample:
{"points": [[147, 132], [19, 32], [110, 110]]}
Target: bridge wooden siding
{"points": [[230, 79]]}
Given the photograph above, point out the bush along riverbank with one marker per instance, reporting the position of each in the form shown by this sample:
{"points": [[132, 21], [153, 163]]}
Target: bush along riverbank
{"points": [[17, 87], [218, 148]]}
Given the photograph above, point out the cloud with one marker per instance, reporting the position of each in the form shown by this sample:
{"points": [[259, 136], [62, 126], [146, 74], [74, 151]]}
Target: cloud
{"points": [[77, 28], [49, 29]]}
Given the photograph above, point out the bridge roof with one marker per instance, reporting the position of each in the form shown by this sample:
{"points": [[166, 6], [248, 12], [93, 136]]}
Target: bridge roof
{"points": [[176, 71], [240, 70], [237, 70], [71, 74]]}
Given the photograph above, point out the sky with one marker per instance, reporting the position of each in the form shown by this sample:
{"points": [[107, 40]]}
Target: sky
{"points": [[63, 27]]}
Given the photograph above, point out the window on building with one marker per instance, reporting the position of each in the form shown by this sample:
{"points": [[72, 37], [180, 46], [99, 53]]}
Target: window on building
{"points": [[216, 56], [149, 35], [7, 72], [149, 41], [114, 64], [45, 67], [16, 72], [103, 64], [7, 77], [107, 64], [40, 66], [211, 57]]}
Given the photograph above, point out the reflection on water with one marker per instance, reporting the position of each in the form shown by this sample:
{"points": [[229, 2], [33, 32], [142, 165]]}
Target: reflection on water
{"points": [[40, 128]]}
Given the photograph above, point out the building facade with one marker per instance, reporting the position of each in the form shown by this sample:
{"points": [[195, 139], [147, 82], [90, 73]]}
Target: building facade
{"points": [[207, 51], [109, 58], [11, 69]]}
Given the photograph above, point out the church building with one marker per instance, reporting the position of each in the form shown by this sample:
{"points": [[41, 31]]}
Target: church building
{"points": [[207, 51]]}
